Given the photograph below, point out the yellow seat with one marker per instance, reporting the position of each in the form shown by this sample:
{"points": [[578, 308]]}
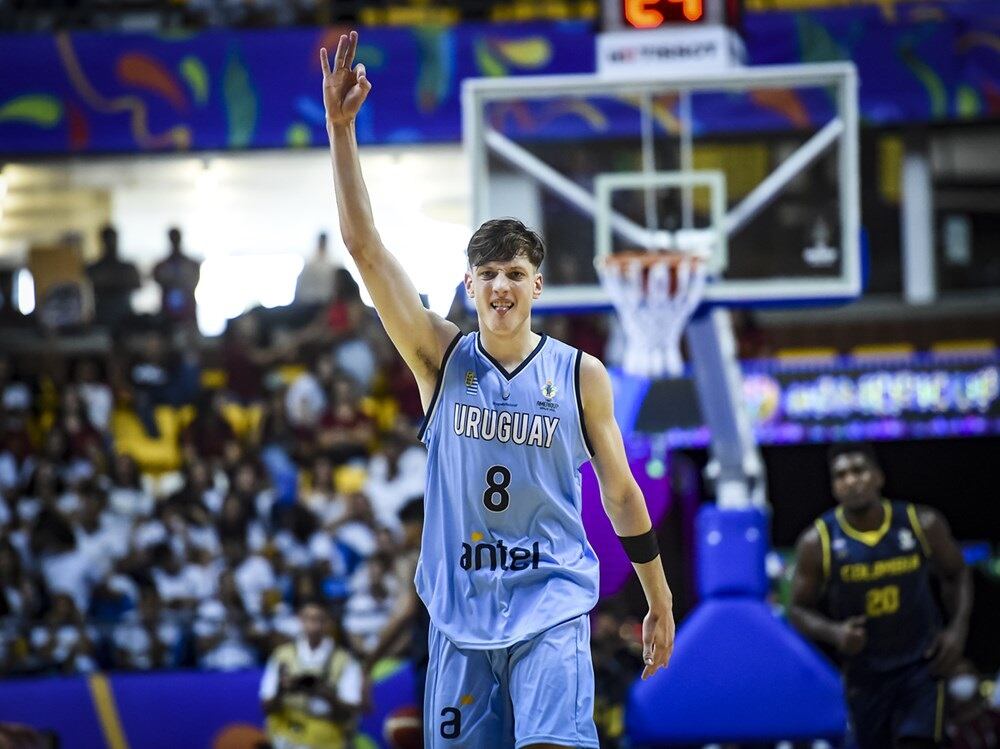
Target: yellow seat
{"points": [[244, 420], [152, 455]]}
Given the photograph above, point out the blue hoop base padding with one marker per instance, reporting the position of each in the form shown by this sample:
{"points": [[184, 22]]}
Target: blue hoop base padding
{"points": [[731, 547], [737, 674]]}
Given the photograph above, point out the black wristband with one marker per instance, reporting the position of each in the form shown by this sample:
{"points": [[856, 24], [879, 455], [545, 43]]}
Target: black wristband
{"points": [[642, 548]]}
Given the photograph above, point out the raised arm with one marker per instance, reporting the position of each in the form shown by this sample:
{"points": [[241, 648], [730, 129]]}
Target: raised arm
{"points": [[419, 335], [626, 508]]}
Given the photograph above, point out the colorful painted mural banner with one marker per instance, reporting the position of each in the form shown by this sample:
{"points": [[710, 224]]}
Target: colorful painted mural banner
{"points": [[97, 92], [215, 90], [928, 61]]}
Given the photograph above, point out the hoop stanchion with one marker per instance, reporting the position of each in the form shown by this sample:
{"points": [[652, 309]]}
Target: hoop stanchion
{"points": [[654, 295]]}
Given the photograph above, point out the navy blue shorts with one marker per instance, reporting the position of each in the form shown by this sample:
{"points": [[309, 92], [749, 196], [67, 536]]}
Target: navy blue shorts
{"points": [[905, 703]]}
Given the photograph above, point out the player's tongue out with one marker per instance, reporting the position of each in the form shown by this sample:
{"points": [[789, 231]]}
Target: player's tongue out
{"points": [[502, 307]]}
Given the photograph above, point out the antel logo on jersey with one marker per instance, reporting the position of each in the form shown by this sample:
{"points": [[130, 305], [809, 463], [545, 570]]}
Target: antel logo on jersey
{"points": [[491, 556]]}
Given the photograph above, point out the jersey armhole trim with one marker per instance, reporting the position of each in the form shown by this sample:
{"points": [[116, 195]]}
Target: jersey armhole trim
{"points": [[824, 542], [579, 404], [437, 386], [911, 512]]}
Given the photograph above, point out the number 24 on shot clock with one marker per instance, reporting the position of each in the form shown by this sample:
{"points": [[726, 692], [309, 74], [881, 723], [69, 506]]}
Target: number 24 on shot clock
{"points": [[651, 14]]}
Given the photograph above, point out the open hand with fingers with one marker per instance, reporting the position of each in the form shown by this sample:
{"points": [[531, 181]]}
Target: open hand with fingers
{"points": [[657, 640], [344, 88]]}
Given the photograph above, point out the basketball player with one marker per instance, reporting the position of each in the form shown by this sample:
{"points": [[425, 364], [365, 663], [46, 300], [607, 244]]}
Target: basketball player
{"points": [[862, 585], [506, 571]]}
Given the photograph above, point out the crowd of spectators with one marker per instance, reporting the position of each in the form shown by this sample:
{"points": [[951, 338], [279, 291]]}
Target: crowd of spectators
{"points": [[159, 512], [173, 501]]}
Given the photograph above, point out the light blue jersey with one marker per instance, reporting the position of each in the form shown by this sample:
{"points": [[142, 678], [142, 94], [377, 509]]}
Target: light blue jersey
{"points": [[504, 553]]}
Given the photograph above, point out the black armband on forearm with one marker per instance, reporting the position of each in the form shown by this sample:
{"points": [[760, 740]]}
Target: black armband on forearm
{"points": [[642, 548]]}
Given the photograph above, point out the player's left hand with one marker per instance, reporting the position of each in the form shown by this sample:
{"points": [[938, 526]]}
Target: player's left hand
{"points": [[946, 651], [657, 640]]}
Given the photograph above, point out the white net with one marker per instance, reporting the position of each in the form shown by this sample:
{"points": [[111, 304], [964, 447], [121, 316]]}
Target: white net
{"points": [[655, 295]]}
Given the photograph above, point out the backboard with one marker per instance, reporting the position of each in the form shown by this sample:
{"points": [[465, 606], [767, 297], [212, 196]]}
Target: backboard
{"points": [[765, 158]]}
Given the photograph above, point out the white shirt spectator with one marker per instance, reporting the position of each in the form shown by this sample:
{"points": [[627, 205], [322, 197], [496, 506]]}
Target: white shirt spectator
{"points": [[77, 471], [315, 282], [348, 687], [133, 503], [213, 498], [304, 401], [70, 573], [98, 400], [359, 536], [323, 549], [170, 632], [388, 495], [8, 474], [16, 397], [132, 638], [150, 533], [103, 546], [66, 638], [210, 618], [124, 585], [68, 504], [204, 538], [263, 503], [356, 357], [366, 616], [327, 506], [256, 536], [232, 654], [253, 578], [28, 509], [285, 622], [295, 552], [15, 602], [183, 585]]}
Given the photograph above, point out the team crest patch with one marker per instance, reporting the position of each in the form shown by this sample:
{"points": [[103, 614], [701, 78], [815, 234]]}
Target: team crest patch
{"points": [[549, 390], [840, 548], [471, 384], [906, 540]]}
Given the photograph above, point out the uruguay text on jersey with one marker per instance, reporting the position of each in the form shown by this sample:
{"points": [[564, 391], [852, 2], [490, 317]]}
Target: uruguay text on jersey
{"points": [[504, 426]]}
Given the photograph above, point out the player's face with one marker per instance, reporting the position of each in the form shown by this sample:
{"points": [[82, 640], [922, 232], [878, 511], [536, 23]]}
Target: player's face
{"points": [[857, 482], [503, 292]]}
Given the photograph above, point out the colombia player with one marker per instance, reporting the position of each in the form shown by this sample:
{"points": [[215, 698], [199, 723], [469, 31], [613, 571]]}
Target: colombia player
{"points": [[862, 584]]}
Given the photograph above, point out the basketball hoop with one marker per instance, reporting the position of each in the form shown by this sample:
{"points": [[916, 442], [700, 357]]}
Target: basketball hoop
{"points": [[654, 294]]}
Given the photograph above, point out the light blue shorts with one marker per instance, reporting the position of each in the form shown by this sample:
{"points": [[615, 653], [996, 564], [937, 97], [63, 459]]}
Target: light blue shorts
{"points": [[537, 691]]}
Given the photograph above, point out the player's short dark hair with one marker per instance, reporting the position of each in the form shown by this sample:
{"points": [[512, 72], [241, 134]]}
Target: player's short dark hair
{"points": [[850, 448], [412, 511], [503, 239]]}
